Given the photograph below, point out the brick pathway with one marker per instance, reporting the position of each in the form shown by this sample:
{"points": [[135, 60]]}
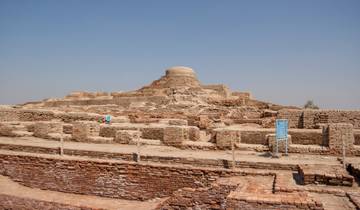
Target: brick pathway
{"points": [[331, 202], [165, 151]]}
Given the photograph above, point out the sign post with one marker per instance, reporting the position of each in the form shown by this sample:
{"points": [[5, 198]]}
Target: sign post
{"points": [[61, 144], [138, 144], [343, 149], [281, 134], [233, 154]]}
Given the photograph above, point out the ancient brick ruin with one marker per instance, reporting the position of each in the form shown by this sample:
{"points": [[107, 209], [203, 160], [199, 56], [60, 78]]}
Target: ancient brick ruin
{"points": [[176, 144]]}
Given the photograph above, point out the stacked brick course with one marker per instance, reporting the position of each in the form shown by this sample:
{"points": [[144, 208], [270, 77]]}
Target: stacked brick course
{"points": [[213, 197], [178, 122], [105, 178], [83, 130], [174, 135], [319, 174], [6, 130], [226, 137], [255, 136], [127, 136], [11, 202], [43, 129], [293, 115], [357, 137], [338, 135], [309, 118]]}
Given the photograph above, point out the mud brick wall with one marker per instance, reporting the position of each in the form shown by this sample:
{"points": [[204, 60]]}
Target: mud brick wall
{"points": [[327, 176], [8, 115], [156, 133], [11, 202], [293, 115], [200, 198], [42, 129], [312, 118], [126, 136], [77, 116], [104, 178], [6, 130], [244, 95], [126, 101], [255, 136], [357, 137], [307, 136], [198, 162], [25, 115], [79, 102], [35, 115], [336, 133], [41, 115], [193, 133], [309, 118], [179, 122], [219, 89], [299, 136], [225, 137], [110, 130], [147, 132], [82, 130], [174, 135], [243, 205], [67, 128]]}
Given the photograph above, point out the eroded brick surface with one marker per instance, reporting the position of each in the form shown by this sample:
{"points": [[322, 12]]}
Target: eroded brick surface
{"points": [[329, 175]]}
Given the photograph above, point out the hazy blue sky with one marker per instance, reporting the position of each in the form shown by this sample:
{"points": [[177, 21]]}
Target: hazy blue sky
{"points": [[282, 51]]}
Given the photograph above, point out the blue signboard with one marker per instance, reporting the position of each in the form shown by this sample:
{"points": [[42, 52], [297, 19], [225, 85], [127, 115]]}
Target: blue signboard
{"points": [[281, 129]]}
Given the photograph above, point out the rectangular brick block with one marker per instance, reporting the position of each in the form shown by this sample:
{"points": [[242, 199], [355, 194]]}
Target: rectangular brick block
{"points": [[42, 129], [338, 134], [174, 135], [225, 137], [127, 136], [82, 130]]}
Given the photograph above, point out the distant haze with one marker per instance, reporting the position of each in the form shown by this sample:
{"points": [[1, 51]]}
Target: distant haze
{"points": [[284, 52]]}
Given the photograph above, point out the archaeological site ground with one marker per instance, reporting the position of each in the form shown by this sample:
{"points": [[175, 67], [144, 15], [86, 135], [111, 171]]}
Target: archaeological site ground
{"points": [[176, 144]]}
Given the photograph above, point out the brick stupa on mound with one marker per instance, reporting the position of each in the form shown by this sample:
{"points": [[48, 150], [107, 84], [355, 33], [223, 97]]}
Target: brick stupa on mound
{"points": [[178, 84], [176, 77]]}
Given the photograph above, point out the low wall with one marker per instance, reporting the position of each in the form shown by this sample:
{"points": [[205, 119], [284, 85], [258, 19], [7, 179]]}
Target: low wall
{"points": [[298, 136], [116, 179], [43, 115], [264, 204], [12, 202], [255, 136], [222, 90], [311, 118], [126, 101], [201, 198], [306, 136], [357, 137], [82, 102], [293, 115], [25, 115]]}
